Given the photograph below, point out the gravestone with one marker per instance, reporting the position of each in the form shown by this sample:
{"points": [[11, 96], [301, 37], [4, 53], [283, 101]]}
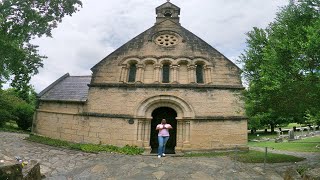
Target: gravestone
{"points": [[291, 135]]}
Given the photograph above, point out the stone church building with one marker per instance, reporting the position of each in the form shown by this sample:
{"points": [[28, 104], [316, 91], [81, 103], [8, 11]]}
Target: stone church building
{"points": [[165, 72]]}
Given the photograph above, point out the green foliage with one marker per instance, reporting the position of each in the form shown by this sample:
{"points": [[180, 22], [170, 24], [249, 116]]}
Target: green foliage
{"points": [[313, 119], [20, 22], [24, 114], [11, 126], [8, 102], [12, 107], [302, 169], [92, 148], [282, 66]]}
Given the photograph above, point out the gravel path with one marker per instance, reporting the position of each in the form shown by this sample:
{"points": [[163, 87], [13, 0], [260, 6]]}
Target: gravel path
{"points": [[64, 164]]}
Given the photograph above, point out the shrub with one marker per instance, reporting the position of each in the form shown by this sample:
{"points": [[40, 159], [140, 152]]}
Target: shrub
{"points": [[91, 148], [24, 115], [8, 102]]}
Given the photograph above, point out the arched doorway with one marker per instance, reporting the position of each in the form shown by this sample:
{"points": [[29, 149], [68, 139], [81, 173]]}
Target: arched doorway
{"points": [[170, 115]]}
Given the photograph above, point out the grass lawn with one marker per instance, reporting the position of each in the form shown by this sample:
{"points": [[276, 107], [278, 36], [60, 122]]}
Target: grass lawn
{"points": [[305, 145], [251, 156], [262, 134], [258, 157]]}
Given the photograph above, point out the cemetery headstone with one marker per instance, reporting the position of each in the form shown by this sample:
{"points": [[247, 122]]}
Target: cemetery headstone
{"points": [[291, 135]]}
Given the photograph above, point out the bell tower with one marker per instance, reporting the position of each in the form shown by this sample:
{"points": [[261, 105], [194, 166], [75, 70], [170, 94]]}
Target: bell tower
{"points": [[167, 11]]}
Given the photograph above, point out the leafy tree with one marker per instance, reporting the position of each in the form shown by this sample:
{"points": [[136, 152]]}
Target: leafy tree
{"points": [[20, 22], [282, 65]]}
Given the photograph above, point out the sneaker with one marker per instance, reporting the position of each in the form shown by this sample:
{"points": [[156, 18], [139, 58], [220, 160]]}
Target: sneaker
{"points": [[159, 156], [163, 155]]}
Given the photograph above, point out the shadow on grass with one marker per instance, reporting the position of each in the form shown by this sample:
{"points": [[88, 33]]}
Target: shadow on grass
{"points": [[250, 156]]}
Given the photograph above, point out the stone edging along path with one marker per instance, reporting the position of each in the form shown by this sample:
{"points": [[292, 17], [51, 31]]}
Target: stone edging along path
{"points": [[58, 163]]}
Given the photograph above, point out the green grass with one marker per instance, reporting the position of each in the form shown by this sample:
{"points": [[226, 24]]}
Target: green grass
{"points": [[11, 126], [262, 134], [91, 148], [305, 145], [250, 156], [258, 157]]}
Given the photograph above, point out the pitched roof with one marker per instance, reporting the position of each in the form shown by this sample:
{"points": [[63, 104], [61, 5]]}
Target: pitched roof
{"points": [[67, 88]]}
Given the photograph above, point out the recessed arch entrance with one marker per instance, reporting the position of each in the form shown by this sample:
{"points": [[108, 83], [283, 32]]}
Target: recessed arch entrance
{"points": [[170, 115], [150, 112]]}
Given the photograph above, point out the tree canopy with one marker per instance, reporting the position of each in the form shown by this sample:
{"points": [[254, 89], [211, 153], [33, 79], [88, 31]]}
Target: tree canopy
{"points": [[282, 66], [20, 22]]}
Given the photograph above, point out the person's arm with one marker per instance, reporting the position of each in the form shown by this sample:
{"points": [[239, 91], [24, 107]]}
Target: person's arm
{"points": [[158, 127], [169, 127]]}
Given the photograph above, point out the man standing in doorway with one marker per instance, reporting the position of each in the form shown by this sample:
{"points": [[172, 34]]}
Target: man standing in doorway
{"points": [[163, 137]]}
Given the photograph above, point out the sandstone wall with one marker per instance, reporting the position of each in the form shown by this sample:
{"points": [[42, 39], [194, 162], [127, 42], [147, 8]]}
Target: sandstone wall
{"points": [[204, 134], [127, 100], [83, 129], [218, 134]]}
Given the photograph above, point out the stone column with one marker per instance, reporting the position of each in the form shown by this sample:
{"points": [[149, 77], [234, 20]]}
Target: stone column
{"points": [[191, 73], [175, 76], [156, 76], [179, 135], [147, 131], [140, 73], [140, 132], [186, 135], [208, 72], [124, 73]]}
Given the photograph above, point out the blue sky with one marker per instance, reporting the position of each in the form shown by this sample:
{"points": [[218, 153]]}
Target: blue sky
{"points": [[100, 27]]}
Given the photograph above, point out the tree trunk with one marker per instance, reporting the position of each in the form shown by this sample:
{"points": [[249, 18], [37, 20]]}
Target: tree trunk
{"points": [[272, 128]]}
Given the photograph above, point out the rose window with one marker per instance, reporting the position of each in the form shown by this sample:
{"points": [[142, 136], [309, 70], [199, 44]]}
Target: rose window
{"points": [[166, 40]]}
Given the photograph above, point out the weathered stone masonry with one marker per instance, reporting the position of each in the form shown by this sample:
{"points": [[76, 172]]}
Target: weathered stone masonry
{"points": [[164, 67]]}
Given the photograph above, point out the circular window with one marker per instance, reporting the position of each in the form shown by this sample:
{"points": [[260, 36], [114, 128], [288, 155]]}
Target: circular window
{"points": [[166, 40]]}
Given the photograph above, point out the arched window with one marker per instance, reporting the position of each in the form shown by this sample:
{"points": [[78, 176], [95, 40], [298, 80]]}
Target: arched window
{"points": [[199, 73], [132, 73], [166, 73]]}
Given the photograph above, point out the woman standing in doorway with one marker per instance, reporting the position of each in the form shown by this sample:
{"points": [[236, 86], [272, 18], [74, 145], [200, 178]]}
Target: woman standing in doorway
{"points": [[163, 137]]}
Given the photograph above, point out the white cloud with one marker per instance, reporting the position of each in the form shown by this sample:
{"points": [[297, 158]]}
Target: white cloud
{"points": [[100, 27]]}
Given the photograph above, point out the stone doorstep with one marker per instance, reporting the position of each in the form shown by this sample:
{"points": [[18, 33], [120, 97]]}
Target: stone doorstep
{"points": [[177, 154]]}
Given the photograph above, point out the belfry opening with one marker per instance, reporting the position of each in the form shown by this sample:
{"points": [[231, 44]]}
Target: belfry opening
{"points": [[170, 115]]}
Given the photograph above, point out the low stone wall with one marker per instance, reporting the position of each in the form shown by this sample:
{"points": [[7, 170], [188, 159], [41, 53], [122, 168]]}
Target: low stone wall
{"points": [[12, 171]]}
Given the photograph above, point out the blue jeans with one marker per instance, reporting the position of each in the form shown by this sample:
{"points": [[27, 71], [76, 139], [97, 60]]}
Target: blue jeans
{"points": [[162, 144]]}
